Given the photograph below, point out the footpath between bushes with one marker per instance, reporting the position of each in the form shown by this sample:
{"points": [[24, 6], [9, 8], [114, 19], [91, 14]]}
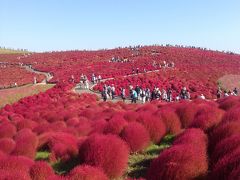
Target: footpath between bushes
{"points": [[79, 90]]}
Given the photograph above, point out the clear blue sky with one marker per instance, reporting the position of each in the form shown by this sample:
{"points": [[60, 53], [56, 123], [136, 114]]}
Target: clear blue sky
{"points": [[44, 25]]}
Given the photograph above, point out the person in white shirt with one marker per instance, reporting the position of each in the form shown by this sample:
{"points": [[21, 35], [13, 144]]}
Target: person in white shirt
{"points": [[202, 97]]}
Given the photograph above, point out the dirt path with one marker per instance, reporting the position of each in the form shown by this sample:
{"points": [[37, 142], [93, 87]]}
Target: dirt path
{"points": [[47, 75]]}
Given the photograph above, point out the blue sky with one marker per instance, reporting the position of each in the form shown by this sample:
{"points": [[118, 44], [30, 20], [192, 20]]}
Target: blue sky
{"points": [[45, 25]]}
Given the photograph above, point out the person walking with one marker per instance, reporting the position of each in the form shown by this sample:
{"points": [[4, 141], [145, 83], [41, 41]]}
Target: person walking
{"points": [[123, 94], [134, 96]]}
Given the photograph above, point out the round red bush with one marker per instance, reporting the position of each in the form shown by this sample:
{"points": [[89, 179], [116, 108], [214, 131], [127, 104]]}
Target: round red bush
{"points": [[136, 136], [7, 130], [193, 136], [26, 143], [186, 113], [155, 127], [221, 132], [7, 145], [16, 164], [178, 162], [226, 165], [207, 118], [224, 147], [170, 119], [86, 173], [41, 171], [115, 125], [107, 152], [131, 116]]}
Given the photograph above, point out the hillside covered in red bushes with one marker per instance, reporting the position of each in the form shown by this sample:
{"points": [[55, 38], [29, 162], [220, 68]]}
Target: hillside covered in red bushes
{"points": [[60, 134]]}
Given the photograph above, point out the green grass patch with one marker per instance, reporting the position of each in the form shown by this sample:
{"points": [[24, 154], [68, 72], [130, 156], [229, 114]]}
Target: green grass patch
{"points": [[139, 162], [42, 155]]}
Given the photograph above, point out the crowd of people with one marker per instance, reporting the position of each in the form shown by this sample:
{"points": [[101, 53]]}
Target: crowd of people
{"points": [[108, 92], [144, 94], [164, 64], [119, 59], [225, 93]]}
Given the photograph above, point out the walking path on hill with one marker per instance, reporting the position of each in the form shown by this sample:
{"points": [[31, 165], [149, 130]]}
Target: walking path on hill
{"points": [[47, 75], [117, 98]]}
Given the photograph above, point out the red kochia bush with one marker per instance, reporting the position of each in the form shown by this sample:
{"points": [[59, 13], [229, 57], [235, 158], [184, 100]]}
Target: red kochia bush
{"points": [[41, 171], [26, 143], [61, 145], [16, 164], [232, 115], [131, 116], [86, 173], [115, 125], [26, 124], [178, 162], [229, 102], [107, 152], [7, 145], [226, 165], [136, 136], [7, 130], [207, 118], [186, 113], [13, 175], [221, 132], [170, 119], [224, 147], [195, 137], [155, 127]]}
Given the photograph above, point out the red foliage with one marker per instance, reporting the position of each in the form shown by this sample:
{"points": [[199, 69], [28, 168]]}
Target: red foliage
{"points": [[229, 102], [13, 175], [98, 126], [26, 143], [107, 152], [186, 113], [195, 137], [155, 127], [115, 125], [131, 116], [7, 145], [26, 124], [178, 162], [86, 173], [61, 145], [136, 136], [207, 118], [7, 130], [226, 165], [41, 171], [224, 147], [223, 131], [170, 119], [16, 165], [232, 115]]}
